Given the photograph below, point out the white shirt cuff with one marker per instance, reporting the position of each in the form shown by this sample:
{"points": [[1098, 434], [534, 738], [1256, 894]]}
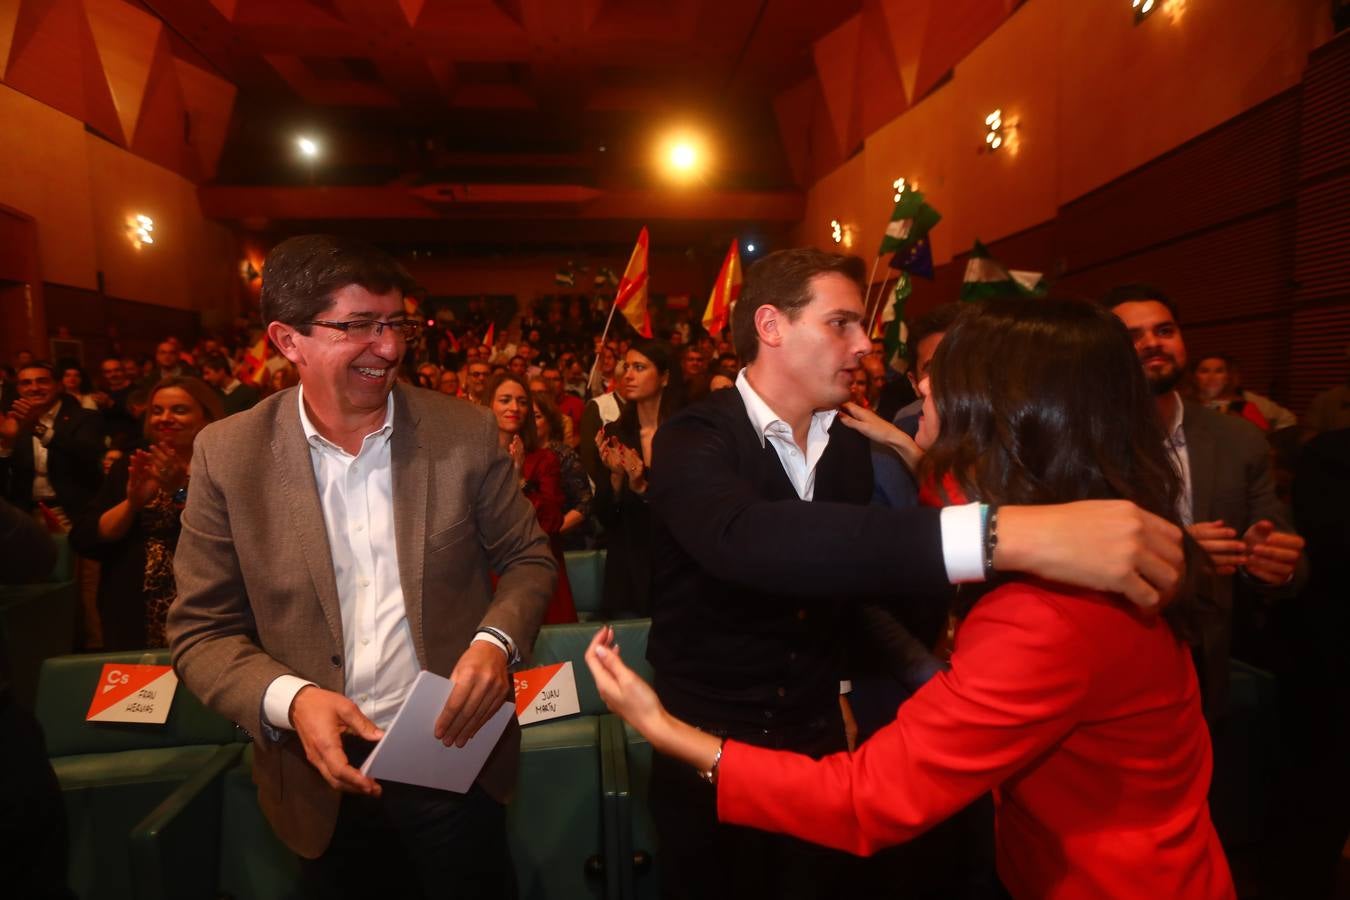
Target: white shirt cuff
{"points": [[277, 700], [963, 543], [491, 639]]}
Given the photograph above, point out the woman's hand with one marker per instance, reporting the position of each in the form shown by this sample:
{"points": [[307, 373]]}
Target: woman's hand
{"points": [[142, 485], [875, 428], [626, 695], [634, 468], [168, 468], [516, 450], [610, 453], [634, 701]]}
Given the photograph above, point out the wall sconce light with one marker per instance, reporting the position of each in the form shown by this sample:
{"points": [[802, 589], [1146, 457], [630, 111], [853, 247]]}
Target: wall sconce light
{"points": [[900, 188], [1142, 9], [141, 230], [994, 135], [247, 272], [836, 231]]}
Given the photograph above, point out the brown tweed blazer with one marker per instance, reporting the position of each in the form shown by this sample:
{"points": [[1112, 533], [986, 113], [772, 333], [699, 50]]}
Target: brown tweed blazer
{"points": [[257, 597]]}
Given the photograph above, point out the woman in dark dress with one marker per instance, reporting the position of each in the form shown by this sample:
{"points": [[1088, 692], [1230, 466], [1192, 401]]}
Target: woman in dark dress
{"points": [[625, 456], [132, 526]]}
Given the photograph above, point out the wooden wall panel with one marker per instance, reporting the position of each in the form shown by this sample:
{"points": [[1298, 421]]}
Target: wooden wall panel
{"points": [[1260, 347], [1319, 341], [100, 321], [1326, 110]]}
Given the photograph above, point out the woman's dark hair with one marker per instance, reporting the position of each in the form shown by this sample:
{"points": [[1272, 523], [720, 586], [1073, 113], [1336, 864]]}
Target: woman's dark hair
{"points": [[68, 365], [549, 410], [213, 408], [1043, 401], [662, 355], [528, 434]]}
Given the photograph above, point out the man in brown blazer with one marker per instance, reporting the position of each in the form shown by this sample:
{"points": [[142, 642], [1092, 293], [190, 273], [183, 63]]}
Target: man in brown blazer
{"points": [[338, 538]]}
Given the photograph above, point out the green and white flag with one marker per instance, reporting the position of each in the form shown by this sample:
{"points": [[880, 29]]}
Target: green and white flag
{"points": [[987, 277], [894, 333], [565, 278], [911, 219]]}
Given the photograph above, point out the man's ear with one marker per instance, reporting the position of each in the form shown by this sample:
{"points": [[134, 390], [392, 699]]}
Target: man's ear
{"points": [[283, 337], [767, 319]]}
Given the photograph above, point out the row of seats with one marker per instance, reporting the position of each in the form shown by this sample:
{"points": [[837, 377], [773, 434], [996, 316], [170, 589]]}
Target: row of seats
{"points": [[171, 811]]}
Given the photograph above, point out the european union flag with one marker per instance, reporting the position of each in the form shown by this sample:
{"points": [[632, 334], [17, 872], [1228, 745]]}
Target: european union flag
{"points": [[917, 260]]}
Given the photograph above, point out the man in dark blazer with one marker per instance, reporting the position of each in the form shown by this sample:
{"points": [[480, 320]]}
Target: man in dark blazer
{"points": [[234, 394], [51, 448], [314, 587], [764, 544], [1230, 506]]}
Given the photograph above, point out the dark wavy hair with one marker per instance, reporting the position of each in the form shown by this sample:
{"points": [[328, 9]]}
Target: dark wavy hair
{"points": [[1043, 401], [529, 435]]}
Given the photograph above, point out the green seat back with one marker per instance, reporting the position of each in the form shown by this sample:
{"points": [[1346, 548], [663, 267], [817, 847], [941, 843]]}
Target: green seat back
{"points": [[254, 862], [586, 575], [66, 687]]}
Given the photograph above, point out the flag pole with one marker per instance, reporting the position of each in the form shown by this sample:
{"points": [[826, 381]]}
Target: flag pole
{"points": [[604, 334], [867, 297], [881, 304]]}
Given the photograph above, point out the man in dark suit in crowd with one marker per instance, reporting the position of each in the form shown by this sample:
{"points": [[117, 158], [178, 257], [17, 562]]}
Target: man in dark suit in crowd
{"points": [[51, 448], [235, 395], [168, 364], [765, 543], [1230, 505], [307, 606]]}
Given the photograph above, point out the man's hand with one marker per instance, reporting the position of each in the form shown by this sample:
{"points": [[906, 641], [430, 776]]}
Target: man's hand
{"points": [[1271, 555], [1107, 545], [320, 718], [1220, 543], [482, 685]]}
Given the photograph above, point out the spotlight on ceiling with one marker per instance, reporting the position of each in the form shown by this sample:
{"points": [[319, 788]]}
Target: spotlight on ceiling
{"points": [[309, 148], [1142, 9], [683, 156], [749, 248]]}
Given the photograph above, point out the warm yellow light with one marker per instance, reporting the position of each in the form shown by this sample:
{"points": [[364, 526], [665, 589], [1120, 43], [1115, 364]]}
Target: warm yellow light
{"points": [[683, 156], [140, 229], [309, 148], [836, 231]]}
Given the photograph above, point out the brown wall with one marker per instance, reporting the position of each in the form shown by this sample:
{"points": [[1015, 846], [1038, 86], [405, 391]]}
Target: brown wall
{"points": [[1244, 226]]}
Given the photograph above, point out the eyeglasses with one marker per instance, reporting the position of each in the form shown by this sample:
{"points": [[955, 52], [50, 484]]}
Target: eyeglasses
{"points": [[366, 331]]}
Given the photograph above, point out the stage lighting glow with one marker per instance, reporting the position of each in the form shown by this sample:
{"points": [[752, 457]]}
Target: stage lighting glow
{"points": [[683, 156], [309, 148], [749, 248]]}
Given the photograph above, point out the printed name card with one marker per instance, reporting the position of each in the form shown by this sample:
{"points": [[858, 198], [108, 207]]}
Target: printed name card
{"points": [[547, 692], [133, 693]]}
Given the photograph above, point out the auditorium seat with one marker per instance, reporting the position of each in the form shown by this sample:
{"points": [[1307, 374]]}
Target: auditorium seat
{"points": [[113, 775], [37, 621], [586, 574]]}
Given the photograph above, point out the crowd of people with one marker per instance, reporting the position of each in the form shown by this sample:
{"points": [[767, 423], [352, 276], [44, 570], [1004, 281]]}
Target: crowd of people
{"points": [[793, 511]]}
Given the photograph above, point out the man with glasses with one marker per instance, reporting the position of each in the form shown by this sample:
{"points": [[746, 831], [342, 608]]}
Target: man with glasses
{"points": [[478, 373], [308, 601]]}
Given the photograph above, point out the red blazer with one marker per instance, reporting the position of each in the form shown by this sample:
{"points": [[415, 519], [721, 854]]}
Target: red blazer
{"points": [[1083, 716]]}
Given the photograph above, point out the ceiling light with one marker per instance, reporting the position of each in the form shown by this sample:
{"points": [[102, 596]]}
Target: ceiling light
{"points": [[1142, 9], [683, 156], [749, 248], [309, 148]]}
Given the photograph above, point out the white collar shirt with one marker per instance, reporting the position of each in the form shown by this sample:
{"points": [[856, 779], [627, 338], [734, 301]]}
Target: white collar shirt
{"points": [[800, 467], [1181, 461], [357, 496], [42, 485]]}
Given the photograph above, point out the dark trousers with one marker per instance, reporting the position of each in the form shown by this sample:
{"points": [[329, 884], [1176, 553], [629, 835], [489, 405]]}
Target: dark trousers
{"points": [[414, 842], [32, 813], [702, 858]]}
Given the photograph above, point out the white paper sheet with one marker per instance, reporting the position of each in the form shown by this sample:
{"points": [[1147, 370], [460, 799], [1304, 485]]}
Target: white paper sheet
{"points": [[410, 753]]}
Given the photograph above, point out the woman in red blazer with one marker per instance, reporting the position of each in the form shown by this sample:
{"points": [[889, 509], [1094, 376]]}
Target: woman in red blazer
{"points": [[1081, 713]]}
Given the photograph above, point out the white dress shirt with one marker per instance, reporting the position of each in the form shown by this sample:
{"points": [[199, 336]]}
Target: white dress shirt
{"points": [[1181, 461], [357, 497], [962, 531]]}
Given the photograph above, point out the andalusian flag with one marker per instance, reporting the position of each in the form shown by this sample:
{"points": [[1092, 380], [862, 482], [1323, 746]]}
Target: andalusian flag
{"points": [[631, 299], [725, 292], [911, 220], [987, 277], [254, 367], [892, 329], [564, 278]]}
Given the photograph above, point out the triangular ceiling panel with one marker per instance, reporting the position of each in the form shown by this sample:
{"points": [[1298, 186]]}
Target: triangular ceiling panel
{"points": [[825, 144], [295, 14], [209, 101], [905, 23], [412, 9], [226, 8], [793, 108], [9, 19], [948, 37], [126, 39], [836, 56], [53, 59], [881, 96], [161, 132]]}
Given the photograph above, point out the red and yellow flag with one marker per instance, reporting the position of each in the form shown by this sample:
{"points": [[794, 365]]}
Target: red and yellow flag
{"points": [[725, 292], [631, 299], [254, 367]]}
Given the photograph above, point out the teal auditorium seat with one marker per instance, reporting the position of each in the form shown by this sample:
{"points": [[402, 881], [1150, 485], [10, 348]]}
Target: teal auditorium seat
{"points": [[586, 575], [37, 621], [113, 775]]}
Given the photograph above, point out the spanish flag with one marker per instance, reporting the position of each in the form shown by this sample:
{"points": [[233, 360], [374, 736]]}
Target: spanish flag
{"points": [[254, 367], [631, 299], [725, 292]]}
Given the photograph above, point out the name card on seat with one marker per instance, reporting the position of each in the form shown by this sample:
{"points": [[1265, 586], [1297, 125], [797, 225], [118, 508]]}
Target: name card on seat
{"points": [[133, 693], [548, 692]]}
